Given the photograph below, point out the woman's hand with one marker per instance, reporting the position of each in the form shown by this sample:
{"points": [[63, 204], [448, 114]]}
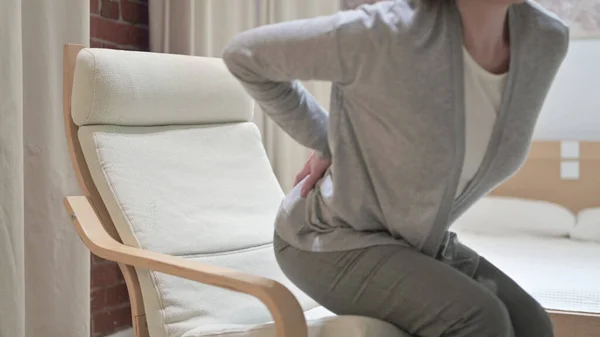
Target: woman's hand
{"points": [[315, 169]]}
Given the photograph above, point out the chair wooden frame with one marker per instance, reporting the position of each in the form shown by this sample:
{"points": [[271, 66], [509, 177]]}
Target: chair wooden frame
{"points": [[95, 227], [538, 179]]}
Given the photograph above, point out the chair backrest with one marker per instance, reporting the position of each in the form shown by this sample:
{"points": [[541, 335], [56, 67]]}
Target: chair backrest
{"points": [[166, 144]]}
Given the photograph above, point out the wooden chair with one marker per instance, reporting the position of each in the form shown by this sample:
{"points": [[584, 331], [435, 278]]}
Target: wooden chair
{"points": [[179, 191]]}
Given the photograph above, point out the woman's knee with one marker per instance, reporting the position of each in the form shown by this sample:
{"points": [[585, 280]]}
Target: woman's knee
{"points": [[528, 317], [486, 317], [536, 323]]}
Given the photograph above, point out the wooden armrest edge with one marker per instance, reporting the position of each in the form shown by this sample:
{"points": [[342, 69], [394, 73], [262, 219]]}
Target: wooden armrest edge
{"points": [[283, 305]]}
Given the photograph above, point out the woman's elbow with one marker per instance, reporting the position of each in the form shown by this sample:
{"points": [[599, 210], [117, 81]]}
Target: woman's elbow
{"points": [[237, 57], [232, 51]]}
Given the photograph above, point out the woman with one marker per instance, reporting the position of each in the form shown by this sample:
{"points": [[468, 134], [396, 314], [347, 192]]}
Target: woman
{"points": [[433, 105]]}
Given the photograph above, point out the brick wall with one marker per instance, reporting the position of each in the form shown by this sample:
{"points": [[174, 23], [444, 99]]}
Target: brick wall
{"points": [[110, 310], [116, 24], [119, 24]]}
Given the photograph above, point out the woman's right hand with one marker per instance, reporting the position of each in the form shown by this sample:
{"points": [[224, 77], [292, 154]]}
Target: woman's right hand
{"points": [[315, 169]]}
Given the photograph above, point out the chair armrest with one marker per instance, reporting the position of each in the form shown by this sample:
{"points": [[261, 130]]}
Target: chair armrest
{"points": [[283, 306]]}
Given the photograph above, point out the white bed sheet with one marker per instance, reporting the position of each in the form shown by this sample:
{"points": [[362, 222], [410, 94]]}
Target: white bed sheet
{"points": [[561, 273]]}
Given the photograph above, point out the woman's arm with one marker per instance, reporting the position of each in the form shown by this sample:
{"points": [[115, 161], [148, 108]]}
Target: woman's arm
{"points": [[270, 60]]}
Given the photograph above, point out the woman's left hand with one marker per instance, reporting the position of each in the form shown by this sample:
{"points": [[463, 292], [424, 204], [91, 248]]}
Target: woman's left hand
{"points": [[314, 169]]}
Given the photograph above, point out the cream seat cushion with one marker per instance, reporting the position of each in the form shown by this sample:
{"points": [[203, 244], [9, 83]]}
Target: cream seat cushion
{"points": [[196, 192], [327, 326]]}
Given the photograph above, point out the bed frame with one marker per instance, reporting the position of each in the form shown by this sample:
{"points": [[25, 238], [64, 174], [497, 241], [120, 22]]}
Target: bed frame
{"points": [[568, 174]]}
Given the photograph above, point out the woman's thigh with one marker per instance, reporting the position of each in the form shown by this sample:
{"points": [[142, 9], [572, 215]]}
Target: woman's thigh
{"points": [[417, 293]]}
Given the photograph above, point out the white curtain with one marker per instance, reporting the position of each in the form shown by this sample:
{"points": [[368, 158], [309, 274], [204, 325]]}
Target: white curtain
{"points": [[44, 269], [203, 28]]}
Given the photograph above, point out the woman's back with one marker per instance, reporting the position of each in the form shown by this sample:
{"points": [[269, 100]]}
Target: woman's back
{"points": [[396, 125]]}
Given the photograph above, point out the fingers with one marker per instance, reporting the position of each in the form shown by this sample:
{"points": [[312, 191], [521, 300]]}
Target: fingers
{"points": [[305, 171], [314, 176], [315, 173], [309, 184]]}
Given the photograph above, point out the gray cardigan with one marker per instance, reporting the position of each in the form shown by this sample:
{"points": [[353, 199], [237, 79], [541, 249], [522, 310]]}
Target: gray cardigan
{"points": [[395, 130]]}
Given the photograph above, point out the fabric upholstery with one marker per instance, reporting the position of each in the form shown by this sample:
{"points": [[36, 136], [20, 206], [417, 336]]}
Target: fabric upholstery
{"points": [[342, 326], [182, 189], [136, 88], [204, 193]]}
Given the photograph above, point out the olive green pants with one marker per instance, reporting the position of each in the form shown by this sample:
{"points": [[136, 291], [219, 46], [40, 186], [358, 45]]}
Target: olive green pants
{"points": [[421, 295]]}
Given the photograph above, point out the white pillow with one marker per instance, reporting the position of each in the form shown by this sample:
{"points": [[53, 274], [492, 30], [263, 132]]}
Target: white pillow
{"points": [[504, 216], [588, 225]]}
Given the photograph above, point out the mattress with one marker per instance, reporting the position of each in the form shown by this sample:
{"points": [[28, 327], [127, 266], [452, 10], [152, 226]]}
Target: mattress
{"points": [[561, 273]]}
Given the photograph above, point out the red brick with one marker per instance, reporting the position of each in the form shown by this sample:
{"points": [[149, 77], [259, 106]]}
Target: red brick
{"points": [[110, 9], [118, 33], [97, 300], [134, 12], [95, 6], [104, 275], [117, 295], [111, 320]]}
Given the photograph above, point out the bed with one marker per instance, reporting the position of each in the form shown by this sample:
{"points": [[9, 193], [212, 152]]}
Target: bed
{"points": [[542, 227]]}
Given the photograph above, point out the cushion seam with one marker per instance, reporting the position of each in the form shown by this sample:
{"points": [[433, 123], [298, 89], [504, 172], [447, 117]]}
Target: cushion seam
{"points": [[227, 252], [93, 87]]}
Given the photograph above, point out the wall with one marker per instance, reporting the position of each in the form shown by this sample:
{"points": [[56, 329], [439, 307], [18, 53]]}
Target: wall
{"points": [[116, 24], [583, 16], [572, 109]]}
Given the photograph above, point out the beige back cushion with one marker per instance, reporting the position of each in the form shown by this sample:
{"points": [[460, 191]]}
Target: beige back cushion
{"points": [[203, 191], [139, 89]]}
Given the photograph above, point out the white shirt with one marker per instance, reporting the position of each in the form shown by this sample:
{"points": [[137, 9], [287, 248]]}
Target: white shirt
{"points": [[483, 96]]}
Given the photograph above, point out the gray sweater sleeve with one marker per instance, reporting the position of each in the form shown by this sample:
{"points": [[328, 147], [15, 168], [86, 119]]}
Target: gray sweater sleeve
{"points": [[271, 60]]}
